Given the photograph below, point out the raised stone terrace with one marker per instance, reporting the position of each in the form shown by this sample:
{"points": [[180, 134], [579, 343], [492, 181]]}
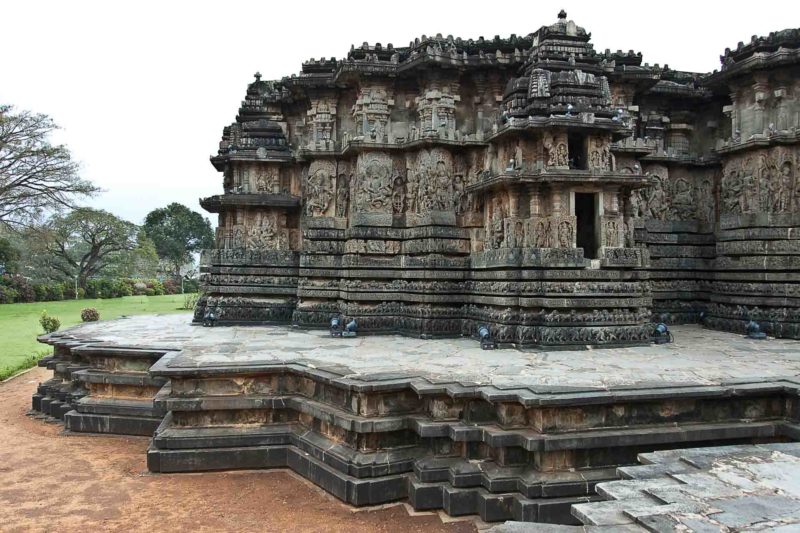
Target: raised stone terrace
{"points": [[504, 434]]}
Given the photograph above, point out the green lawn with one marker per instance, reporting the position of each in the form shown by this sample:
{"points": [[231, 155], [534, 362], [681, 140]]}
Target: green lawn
{"points": [[19, 323]]}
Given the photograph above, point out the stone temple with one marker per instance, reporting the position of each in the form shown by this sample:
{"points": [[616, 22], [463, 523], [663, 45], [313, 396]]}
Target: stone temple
{"points": [[562, 197], [558, 194]]}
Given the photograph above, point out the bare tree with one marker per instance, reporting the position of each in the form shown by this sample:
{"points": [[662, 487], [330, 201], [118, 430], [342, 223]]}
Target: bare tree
{"points": [[35, 177]]}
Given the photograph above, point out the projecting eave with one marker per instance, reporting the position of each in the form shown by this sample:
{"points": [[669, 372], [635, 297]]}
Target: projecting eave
{"points": [[561, 176], [575, 122], [221, 160], [223, 202], [781, 57]]}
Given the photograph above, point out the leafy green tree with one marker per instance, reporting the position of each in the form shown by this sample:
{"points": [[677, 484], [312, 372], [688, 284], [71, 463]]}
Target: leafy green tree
{"points": [[85, 242], [178, 232], [140, 262], [9, 256], [36, 178]]}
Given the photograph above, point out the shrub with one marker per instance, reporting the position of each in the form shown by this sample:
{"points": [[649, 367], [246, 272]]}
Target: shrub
{"points": [[49, 323], [54, 291], [23, 291], [172, 286], [90, 314], [40, 291], [190, 300], [120, 287], [7, 295], [149, 292]]}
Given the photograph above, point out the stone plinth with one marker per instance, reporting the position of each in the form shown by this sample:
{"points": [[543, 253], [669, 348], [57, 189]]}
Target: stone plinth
{"points": [[506, 434]]}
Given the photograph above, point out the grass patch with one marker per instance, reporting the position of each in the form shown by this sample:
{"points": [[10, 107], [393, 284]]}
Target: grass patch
{"points": [[19, 323]]}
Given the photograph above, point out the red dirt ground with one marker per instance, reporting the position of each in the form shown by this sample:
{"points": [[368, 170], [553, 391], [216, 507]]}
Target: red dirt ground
{"points": [[55, 482]]}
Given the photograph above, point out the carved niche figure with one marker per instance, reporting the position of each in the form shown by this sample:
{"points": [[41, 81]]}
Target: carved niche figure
{"points": [[518, 156], [768, 184], [342, 195], [705, 203], [412, 190], [731, 192], [267, 180], [544, 234], [565, 234], [657, 201], [638, 204], [594, 160], [238, 236], [435, 188], [612, 233], [375, 179], [495, 230], [682, 200], [628, 230], [562, 156], [262, 235], [783, 196], [461, 199], [398, 195], [319, 191], [749, 198]]}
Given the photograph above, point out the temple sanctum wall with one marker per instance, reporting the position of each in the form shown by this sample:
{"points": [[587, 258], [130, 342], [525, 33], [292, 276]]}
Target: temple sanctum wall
{"points": [[558, 194]]}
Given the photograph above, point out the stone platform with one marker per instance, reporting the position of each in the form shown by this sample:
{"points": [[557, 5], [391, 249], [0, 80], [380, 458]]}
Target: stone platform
{"points": [[505, 434], [724, 488]]}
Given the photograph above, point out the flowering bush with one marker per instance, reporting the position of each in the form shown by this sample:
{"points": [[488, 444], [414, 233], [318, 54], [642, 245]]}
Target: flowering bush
{"points": [[90, 314]]}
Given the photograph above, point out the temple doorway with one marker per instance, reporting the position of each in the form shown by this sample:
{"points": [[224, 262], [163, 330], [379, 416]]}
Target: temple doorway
{"points": [[577, 151], [586, 231]]}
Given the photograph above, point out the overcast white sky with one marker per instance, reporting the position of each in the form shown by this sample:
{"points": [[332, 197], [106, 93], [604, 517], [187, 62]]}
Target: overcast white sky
{"points": [[143, 89]]}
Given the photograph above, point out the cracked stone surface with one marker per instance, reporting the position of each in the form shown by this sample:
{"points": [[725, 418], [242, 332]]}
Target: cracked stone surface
{"points": [[730, 488], [698, 357]]}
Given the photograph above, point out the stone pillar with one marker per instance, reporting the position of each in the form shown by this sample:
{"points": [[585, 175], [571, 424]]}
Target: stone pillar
{"points": [[759, 98], [783, 118]]}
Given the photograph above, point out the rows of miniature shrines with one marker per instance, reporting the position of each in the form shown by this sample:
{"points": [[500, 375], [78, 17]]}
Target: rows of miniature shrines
{"points": [[557, 194]]}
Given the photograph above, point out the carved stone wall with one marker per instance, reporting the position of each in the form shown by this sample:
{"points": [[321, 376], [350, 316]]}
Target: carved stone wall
{"points": [[429, 188]]}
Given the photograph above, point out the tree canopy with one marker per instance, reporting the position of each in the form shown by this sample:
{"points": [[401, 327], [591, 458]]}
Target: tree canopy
{"points": [[178, 232], [36, 178], [84, 242]]}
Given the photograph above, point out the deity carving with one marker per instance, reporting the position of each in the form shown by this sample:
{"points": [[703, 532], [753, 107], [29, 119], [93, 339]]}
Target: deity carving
{"points": [[705, 203], [612, 233], [461, 198], [267, 180], [682, 200], [565, 234], [342, 194], [557, 156], [263, 233], [435, 185], [657, 201], [320, 187], [398, 195], [543, 234], [495, 226], [374, 193], [238, 237], [766, 187], [782, 192]]}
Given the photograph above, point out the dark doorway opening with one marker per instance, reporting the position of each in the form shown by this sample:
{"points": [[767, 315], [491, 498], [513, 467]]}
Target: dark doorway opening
{"points": [[586, 213], [577, 151]]}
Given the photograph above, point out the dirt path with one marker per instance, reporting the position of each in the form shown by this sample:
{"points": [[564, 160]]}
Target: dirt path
{"points": [[53, 482]]}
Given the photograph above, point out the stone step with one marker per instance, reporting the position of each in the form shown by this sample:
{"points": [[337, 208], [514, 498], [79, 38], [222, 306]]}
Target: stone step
{"points": [[108, 423], [526, 480], [101, 405]]}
